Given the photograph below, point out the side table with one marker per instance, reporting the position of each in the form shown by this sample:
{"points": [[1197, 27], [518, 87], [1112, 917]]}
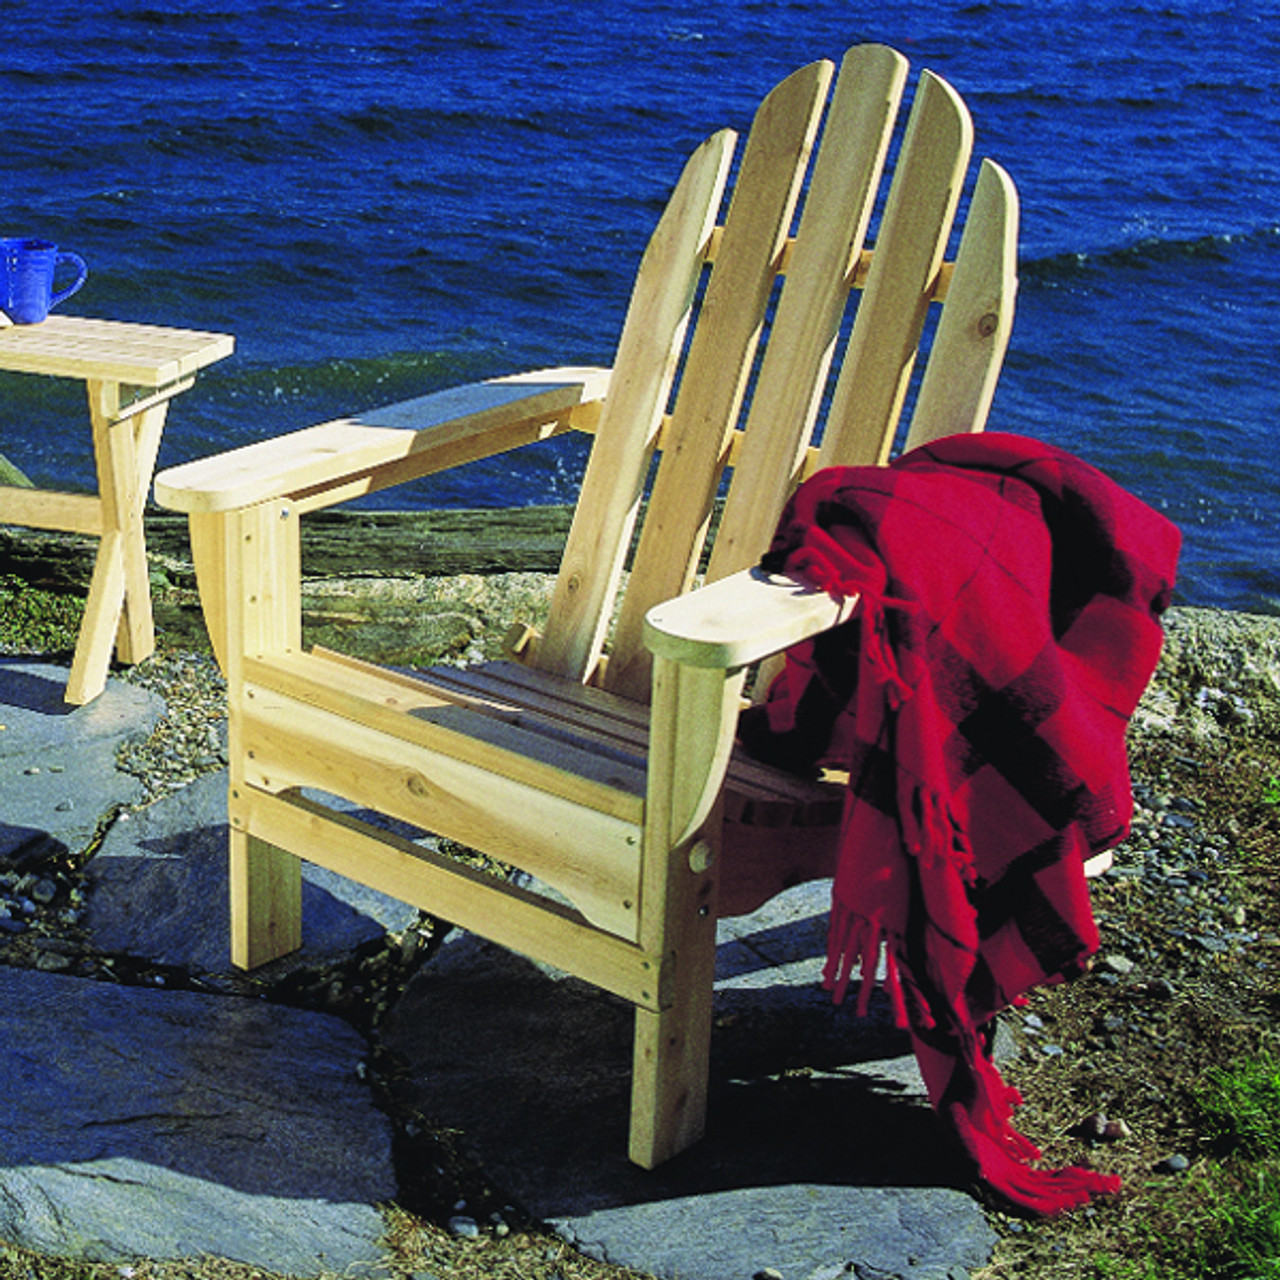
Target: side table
{"points": [[131, 372]]}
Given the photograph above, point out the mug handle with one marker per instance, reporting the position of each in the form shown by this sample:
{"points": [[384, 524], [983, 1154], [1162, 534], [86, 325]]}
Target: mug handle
{"points": [[79, 263]]}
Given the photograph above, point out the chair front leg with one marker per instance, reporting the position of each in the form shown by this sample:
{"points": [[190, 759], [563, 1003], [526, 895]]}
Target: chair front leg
{"points": [[266, 900], [248, 563], [693, 717]]}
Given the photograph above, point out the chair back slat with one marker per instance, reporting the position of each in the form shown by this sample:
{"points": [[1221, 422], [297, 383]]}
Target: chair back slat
{"points": [[977, 317], [648, 351], [904, 271], [814, 298], [719, 363]]}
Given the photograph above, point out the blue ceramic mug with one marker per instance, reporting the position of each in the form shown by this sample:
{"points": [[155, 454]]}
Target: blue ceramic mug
{"points": [[27, 268]]}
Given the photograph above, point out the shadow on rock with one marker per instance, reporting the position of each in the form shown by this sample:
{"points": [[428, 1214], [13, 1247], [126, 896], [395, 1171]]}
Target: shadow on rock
{"points": [[534, 1069], [34, 688]]}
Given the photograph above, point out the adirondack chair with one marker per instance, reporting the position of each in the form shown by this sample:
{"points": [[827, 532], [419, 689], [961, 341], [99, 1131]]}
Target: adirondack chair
{"points": [[615, 780]]}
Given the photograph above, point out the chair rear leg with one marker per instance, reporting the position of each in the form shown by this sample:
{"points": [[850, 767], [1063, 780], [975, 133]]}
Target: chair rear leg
{"points": [[266, 901]]}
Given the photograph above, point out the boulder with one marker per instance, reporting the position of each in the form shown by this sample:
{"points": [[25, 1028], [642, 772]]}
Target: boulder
{"points": [[171, 1124]]}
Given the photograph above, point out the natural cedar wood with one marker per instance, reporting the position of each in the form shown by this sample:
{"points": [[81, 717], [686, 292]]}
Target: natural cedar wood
{"points": [[132, 355], [824, 256], [719, 362], [410, 439], [632, 415], [613, 776], [131, 373]]}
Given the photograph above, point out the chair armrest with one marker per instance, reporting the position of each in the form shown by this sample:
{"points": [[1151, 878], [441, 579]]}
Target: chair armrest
{"points": [[741, 619], [338, 460]]}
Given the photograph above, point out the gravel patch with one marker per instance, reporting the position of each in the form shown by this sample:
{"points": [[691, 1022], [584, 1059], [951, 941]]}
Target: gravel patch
{"points": [[190, 739]]}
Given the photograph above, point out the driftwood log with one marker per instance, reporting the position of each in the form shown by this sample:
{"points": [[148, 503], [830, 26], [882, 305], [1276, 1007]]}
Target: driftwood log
{"points": [[335, 544], [406, 587], [418, 587]]}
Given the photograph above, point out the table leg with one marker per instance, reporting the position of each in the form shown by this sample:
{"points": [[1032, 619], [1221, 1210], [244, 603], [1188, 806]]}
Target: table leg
{"points": [[118, 610], [137, 637]]}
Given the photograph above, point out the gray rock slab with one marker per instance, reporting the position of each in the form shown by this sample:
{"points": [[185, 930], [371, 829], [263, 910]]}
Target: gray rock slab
{"points": [[821, 1150], [57, 762], [168, 1124], [800, 1231], [157, 890]]}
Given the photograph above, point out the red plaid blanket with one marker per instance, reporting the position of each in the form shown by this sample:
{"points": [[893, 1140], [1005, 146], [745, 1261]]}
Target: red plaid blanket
{"points": [[979, 698]]}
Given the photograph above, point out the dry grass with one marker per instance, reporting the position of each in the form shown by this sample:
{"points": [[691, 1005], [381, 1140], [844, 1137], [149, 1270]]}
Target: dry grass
{"points": [[1183, 1022]]}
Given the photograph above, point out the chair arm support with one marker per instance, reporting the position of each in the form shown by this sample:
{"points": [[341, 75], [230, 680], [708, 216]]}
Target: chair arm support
{"points": [[334, 461], [741, 619]]}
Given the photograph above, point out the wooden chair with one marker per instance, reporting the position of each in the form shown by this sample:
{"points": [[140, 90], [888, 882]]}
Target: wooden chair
{"points": [[615, 781]]}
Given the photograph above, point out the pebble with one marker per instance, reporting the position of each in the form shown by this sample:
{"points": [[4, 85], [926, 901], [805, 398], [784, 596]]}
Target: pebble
{"points": [[463, 1227], [1093, 1127], [44, 891], [1173, 1164]]}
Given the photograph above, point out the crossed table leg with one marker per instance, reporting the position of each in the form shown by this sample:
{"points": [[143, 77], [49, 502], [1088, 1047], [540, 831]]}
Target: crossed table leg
{"points": [[131, 371], [118, 611]]}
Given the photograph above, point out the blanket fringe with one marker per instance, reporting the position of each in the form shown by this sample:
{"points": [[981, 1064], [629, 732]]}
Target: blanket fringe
{"points": [[1002, 1164], [984, 1124], [930, 831], [855, 944], [878, 649]]}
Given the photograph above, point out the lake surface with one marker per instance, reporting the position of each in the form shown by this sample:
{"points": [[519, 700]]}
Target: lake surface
{"points": [[379, 199]]}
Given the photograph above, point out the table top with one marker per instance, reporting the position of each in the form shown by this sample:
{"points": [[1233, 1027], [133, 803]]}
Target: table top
{"points": [[137, 355]]}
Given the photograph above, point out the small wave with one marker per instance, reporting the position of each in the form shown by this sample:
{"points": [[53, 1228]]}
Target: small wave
{"points": [[257, 139], [1152, 249], [175, 19], [352, 384], [55, 77], [1030, 94], [392, 122]]}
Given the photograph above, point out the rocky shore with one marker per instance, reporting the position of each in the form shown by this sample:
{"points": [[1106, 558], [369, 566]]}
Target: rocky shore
{"points": [[1188, 976]]}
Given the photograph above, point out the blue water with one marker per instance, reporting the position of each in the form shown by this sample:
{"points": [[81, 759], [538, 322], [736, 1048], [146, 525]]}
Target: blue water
{"points": [[382, 198]]}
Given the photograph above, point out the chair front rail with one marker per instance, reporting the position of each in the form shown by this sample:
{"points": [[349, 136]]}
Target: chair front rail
{"points": [[472, 899]]}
